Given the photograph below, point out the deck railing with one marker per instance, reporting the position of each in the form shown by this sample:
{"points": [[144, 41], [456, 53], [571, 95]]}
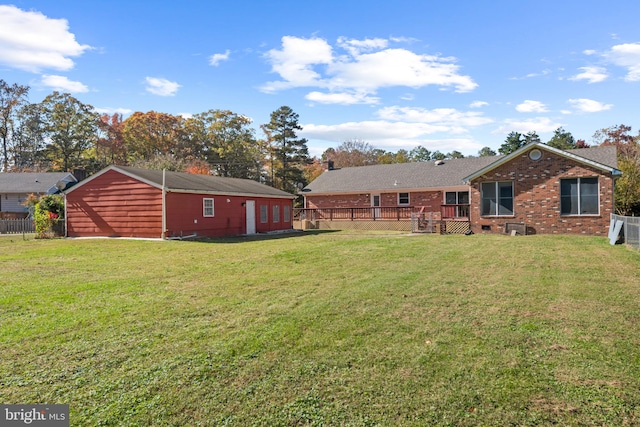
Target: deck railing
{"points": [[457, 211], [394, 213], [353, 214]]}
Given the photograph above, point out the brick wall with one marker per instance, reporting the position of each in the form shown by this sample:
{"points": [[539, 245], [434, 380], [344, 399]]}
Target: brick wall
{"points": [[537, 197], [430, 199]]}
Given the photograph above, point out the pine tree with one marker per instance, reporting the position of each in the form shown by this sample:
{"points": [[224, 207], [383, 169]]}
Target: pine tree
{"points": [[290, 152]]}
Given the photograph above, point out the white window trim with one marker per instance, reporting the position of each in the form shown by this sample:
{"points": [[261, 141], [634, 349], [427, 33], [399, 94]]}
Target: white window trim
{"points": [[408, 199], [276, 213], [204, 207]]}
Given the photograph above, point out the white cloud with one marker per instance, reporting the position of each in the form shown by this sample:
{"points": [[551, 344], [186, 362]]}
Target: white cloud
{"points": [[364, 67], [31, 41], [355, 47], [478, 104], [341, 98], [217, 58], [294, 63], [591, 74], [390, 135], [161, 87], [538, 124], [627, 56], [589, 105], [449, 119], [529, 106], [63, 84]]}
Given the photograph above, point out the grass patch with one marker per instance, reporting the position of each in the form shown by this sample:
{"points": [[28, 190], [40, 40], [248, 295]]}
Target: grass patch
{"points": [[324, 329]]}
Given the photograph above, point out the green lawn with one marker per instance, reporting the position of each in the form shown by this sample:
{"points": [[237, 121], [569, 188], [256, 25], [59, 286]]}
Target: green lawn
{"points": [[324, 329]]}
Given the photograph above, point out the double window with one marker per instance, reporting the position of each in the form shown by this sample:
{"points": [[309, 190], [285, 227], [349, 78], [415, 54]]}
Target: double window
{"points": [[403, 198], [207, 207], [579, 196], [497, 198]]}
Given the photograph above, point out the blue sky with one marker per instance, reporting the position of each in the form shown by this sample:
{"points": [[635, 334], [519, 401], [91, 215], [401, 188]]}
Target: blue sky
{"points": [[456, 75]]}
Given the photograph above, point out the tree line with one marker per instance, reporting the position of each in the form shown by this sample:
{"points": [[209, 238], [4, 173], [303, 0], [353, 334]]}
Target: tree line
{"points": [[61, 133]]}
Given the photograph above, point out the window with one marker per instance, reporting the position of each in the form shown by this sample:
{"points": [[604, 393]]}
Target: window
{"points": [[497, 198], [457, 198], [287, 214], [460, 202], [579, 196], [403, 198], [207, 207], [276, 213], [264, 214]]}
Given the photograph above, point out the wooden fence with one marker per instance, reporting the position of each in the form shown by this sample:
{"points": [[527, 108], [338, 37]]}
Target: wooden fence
{"points": [[17, 226]]}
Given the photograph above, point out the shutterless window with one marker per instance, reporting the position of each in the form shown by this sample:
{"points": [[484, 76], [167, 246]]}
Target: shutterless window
{"points": [[207, 207], [403, 198], [457, 197], [287, 214], [264, 213], [579, 196], [497, 198], [276, 213]]}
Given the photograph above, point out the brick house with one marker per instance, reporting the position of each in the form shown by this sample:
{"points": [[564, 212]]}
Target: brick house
{"points": [[537, 189], [545, 190]]}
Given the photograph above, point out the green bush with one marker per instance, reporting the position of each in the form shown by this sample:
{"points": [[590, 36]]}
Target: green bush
{"points": [[47, 212]]}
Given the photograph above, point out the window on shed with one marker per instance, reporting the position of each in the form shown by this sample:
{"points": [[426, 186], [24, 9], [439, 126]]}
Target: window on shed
{"points": [[276, 213], [403, 198], [579, 196], [287, 214], [207, 207], [264, 213], [497, 198]]}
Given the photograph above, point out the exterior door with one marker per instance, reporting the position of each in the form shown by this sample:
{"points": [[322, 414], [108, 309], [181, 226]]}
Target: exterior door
{"points": [[375, 203], [251, 216]]}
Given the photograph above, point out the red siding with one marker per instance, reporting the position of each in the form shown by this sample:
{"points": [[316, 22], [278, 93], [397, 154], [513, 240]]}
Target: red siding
{"points": [[536, 203], [114, 205]]}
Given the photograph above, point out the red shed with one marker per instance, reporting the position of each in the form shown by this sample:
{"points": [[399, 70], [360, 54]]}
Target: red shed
{"points": [[123, 201]]}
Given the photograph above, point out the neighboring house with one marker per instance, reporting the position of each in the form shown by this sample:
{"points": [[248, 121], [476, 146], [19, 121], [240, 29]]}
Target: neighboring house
{"points": [[541, 190], [16, 187], [130, 202]]}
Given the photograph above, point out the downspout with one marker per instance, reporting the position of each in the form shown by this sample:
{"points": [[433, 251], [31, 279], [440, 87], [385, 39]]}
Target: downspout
{"points": [[164, 203], [66, 229]]}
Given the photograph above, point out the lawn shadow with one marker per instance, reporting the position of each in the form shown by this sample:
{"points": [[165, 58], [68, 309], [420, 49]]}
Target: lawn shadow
{"points": [[288, 234]]}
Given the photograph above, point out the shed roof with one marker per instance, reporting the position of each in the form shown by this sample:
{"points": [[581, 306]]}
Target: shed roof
{"points": [[33, 182], [181, 182], [397, 176]]}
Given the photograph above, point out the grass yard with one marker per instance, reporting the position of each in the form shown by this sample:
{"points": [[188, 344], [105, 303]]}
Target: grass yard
{"points": [[331, 328]]}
